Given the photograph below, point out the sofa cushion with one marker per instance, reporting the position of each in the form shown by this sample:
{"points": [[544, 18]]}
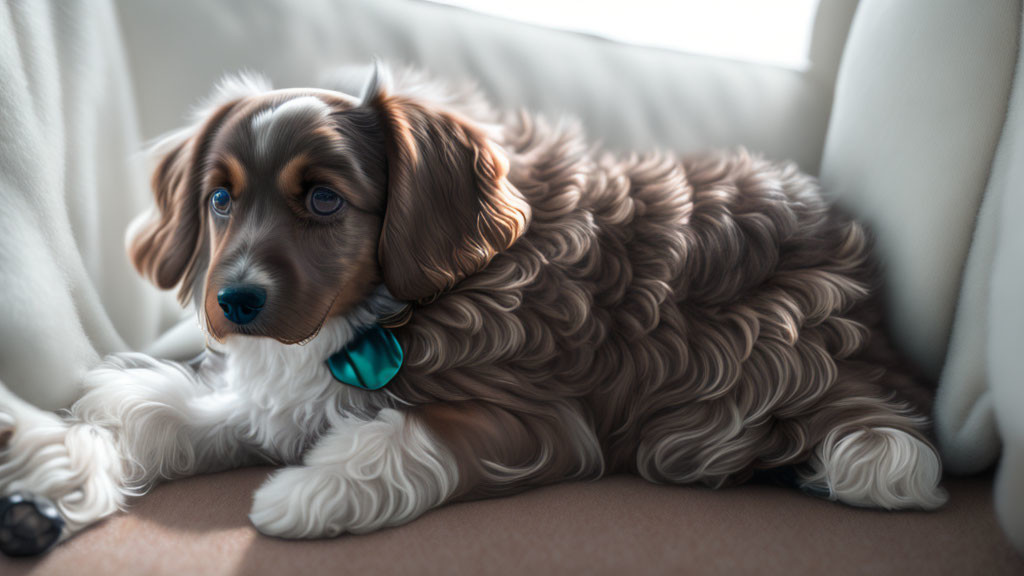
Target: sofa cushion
{"points": [[619, 525]]}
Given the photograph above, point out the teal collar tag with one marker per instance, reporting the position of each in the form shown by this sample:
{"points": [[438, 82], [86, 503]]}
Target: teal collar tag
{"points": [[369, 361]]}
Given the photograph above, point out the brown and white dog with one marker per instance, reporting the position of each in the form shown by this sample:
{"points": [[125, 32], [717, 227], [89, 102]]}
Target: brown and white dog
{"points": [[563, 314]]}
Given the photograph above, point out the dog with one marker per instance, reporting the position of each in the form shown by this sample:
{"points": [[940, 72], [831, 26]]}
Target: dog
{"points": [[560, 313]]}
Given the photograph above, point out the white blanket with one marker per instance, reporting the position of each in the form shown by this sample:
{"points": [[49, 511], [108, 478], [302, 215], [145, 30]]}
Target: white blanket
{"points": [[71, 179]]}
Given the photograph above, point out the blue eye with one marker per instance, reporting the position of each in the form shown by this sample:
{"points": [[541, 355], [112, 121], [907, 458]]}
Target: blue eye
{"points": [[323, 201], [220, 201]]}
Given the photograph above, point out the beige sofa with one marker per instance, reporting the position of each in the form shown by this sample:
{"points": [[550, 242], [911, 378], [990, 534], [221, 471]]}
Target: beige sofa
{"points": [[618, 526], [910, 112]]}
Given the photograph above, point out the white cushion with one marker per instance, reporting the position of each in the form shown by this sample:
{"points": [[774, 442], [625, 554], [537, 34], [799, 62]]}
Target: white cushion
{"points": [[919, 106], [1005, 312]]}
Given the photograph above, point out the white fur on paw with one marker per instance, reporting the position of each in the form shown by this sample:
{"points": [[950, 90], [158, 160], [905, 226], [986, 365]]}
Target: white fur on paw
{"points": [[291, 505], [76, 467], [362, 476], [878, 468]]}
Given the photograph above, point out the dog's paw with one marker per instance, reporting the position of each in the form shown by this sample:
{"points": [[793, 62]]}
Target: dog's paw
{"points": [[33, 455], [877, 468], [324, 501], [301, 502], [363, 476], [75, 467]]}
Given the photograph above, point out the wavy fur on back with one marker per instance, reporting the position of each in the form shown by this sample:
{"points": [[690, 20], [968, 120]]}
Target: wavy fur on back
{"points": [[689, 320]]}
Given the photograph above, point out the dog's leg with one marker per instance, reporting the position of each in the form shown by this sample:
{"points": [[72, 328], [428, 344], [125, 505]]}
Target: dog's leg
{"points": [[365, 475], [139, 420], [853, 443]]}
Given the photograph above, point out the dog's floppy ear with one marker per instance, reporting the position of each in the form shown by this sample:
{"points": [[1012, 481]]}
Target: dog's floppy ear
{"points": [[165, 245], [450, 207]]}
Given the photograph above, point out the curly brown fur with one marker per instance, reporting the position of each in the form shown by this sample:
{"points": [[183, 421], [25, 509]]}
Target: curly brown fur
{"points": [[689, 320]]}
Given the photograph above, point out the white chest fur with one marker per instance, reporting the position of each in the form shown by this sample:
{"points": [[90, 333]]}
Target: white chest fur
{"points": [[282, 397]]}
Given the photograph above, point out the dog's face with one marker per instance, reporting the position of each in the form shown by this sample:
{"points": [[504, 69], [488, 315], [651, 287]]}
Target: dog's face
{"points": [[293, 209], [280, 209]]}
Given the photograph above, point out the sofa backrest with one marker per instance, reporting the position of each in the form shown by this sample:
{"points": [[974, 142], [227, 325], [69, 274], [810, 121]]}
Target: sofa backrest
{"points": [[630, 98]]}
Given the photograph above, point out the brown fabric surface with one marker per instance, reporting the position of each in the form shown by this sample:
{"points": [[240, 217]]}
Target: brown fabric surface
{"points": [[620, 525]]}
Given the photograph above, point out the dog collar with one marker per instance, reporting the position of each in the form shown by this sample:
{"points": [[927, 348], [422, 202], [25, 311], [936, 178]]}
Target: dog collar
{"points": [[369, 361]]}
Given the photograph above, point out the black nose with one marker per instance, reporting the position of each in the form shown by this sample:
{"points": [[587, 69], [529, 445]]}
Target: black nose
{"points": [[241, 303]]}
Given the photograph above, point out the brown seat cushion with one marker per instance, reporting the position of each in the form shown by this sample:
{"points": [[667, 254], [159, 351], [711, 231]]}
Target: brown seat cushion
{"points": [[620, 525]]}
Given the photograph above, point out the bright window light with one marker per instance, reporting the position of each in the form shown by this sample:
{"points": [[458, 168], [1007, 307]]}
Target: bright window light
{"points": [[776, 32]]}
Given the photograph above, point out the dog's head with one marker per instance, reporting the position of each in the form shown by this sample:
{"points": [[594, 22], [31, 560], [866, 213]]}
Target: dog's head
{"points": [[279, 209]]}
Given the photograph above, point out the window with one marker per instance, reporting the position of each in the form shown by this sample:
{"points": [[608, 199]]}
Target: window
{"points": [[776, 32]]}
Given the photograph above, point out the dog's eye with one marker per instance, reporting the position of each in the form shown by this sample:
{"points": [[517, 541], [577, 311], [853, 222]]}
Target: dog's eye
{"points": [[220, 201], [323, 201]]}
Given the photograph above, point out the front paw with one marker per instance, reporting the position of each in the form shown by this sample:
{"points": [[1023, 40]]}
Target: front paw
{"points": [[42, 459], [361, 477], [300, 502], [324, 501], [33, 454]]}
